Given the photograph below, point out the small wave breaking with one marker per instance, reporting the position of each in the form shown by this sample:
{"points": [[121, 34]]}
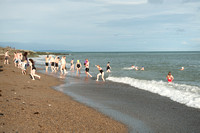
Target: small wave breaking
{"points": [[185, 94]]}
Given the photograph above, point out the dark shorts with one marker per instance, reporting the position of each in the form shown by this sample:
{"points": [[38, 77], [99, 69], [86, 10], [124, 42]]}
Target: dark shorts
{"points": [[108, 67], [87, 69], [52, 63], [6, 58], [56, 64], [47, 64]]}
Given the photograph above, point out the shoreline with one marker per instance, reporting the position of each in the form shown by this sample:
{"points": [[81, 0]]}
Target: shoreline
{"points": [[33, 105], [140, 110]]}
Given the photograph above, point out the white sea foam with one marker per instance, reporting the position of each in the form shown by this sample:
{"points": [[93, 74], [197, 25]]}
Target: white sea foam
{"points": [[185, 94], [128, 68]]}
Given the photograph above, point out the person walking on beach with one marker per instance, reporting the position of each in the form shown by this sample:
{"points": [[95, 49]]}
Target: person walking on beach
{"points": [[6, 57], [57, 59], [72, 65], [108, 67], [47, 62], [87, 65], [33, 69], [52, 62], [100, 73], [169, 77], [63, 65], [78, 67]]}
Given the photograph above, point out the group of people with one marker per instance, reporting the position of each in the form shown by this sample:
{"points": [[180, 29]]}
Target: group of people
{"points": [[137, 68], [54, 63], [21, 61]]}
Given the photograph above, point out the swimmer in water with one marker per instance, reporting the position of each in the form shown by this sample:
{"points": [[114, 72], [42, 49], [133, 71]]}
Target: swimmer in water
{"points": [[181, 69], [78, 67], [108, 67], [136, 68], [142, 69], [100, 73], [169, 77], [133, 67]]}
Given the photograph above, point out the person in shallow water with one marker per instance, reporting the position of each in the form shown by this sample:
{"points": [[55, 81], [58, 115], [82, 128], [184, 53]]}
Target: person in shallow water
{"points": [[108, 67], [169, 77], [87, 65], [100, 73], [78, 67]]}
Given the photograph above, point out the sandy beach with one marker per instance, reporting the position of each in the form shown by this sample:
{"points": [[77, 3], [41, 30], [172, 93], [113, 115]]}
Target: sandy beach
{"points": [[33, 106]]}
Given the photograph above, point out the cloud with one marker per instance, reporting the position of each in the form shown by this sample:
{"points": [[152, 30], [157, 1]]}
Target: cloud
{"points": [[189, 1], [155, 1], [126, 2], [184, 42], [196, 40]]}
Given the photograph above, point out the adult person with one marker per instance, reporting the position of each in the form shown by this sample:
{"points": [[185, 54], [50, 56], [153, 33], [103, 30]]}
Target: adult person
{"points": [[108, 67], [100, 73], [63, 65], [169, 77], [87, 69], [33, 69], [52, 62], [57, 59], [72, 65], [6, 57], [47, 62], [78, 67]]}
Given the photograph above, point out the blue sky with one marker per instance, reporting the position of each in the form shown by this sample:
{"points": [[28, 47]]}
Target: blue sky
{"points": [[101, 25]]}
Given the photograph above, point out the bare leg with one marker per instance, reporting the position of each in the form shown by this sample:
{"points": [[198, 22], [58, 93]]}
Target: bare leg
{"points": [[98, 76], [102, 75]]}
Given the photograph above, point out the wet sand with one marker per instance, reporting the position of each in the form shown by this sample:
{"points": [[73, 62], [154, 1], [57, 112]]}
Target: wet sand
{"points": [[142, 111], [33, 106]]}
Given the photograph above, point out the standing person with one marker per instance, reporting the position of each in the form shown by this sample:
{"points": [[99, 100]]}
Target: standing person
{"points": [[100, 73], [78, 67], [87, 65], [15, 59], [108, 67], [47, 62], [33, 69], [52, 62], [63, 65], [169, 77], [57, 59], [6, 57], [72, 65]]}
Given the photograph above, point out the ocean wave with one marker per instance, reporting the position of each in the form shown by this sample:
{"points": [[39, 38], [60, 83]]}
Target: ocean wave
{"points": [[128, 68], [185, 94]]}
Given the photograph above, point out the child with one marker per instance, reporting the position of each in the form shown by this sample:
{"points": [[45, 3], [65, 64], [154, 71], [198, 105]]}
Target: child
{"points": [[101, 73]]}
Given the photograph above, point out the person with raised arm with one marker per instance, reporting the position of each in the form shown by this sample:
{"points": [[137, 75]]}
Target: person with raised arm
{"points": [[100, 73]]}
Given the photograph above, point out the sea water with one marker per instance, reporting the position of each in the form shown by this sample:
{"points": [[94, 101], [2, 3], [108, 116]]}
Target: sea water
{"points": [[185, 88]]}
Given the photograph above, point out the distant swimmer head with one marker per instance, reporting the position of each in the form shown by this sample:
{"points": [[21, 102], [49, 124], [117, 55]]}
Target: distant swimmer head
{"points": [[108, 62]]}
